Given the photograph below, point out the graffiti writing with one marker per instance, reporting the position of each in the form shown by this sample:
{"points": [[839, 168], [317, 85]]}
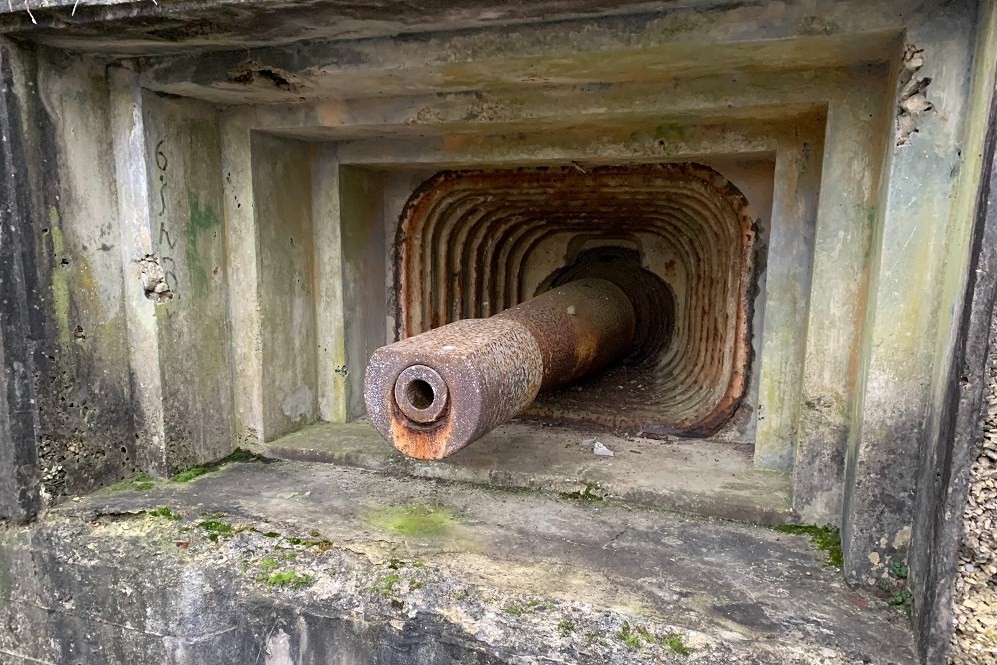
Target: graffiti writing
{"points": [[169, 265]]}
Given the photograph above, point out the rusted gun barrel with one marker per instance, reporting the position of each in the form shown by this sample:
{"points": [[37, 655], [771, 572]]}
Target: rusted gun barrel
{"points": [[432, 394]]}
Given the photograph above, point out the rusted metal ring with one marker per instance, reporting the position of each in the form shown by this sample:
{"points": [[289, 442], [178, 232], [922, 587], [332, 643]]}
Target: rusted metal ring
{"points": [[421, 394]]}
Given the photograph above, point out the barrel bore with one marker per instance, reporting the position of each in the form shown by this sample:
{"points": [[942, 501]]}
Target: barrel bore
{"points": [[432, 394]]}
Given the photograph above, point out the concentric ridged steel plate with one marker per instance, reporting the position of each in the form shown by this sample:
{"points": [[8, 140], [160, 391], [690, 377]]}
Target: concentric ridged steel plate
{"points": [[472, 243]]}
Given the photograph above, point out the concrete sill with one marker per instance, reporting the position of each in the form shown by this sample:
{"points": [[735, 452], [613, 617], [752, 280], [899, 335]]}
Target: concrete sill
{"points": [[292, 563], [683, 475]]}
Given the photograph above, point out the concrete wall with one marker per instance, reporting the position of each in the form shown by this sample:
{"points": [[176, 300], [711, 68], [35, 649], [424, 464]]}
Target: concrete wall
{"points": [[83, 379], [19, 488], [964, 343], [365, 270], [183, 158], [117, 383], [282, 190]]}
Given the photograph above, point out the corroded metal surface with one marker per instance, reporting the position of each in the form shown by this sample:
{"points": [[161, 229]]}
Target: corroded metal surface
{"points": [[433, 394], [472, 243]]}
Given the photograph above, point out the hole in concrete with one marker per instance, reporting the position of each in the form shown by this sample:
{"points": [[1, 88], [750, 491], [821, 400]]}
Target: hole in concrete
{"points": [[154, 281]]}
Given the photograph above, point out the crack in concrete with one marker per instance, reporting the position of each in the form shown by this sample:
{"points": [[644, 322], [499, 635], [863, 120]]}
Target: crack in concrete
{"points": [[28, 658], [85, 618], [616, 537]]}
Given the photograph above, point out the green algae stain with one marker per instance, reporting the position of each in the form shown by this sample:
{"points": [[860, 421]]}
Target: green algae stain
{"points": [[669, 131], [60, 285], [412, 520], [632, 140], [202, 219]]}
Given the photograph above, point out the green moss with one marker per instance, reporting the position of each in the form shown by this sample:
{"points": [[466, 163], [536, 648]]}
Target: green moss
{"points": [[629, 637], [589, 493], [566, 627], [637, 636], [269, 564], [413, 520], [532, 605], [386, 585], [322, 544], [289, 578], [216, 529], [165, 513], [189, 474], [669, 132], [675, 643], [238, 455], [139, 482], [827, 539]]}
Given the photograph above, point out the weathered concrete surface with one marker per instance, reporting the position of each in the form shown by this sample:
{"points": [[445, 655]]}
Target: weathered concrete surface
{"points": [[86, 415], [19, 487], [403, 571], [169, 192], [896, 359], [955, 428], [70, 341], [688, 475], [167, 27], [282, 191]]}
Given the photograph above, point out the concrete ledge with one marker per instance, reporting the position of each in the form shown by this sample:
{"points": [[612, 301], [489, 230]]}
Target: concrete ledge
{"points": [[289, 562], [684, 475]]}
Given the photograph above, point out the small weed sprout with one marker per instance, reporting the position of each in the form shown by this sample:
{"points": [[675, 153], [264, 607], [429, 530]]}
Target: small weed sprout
{"points": [[903, 598]]}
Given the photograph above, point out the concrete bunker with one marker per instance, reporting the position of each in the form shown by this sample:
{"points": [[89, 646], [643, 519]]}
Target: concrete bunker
{"points": [[787, 183]]}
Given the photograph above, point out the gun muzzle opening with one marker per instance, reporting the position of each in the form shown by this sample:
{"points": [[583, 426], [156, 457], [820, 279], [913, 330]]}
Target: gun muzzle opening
{"points": [[421, 394]]}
